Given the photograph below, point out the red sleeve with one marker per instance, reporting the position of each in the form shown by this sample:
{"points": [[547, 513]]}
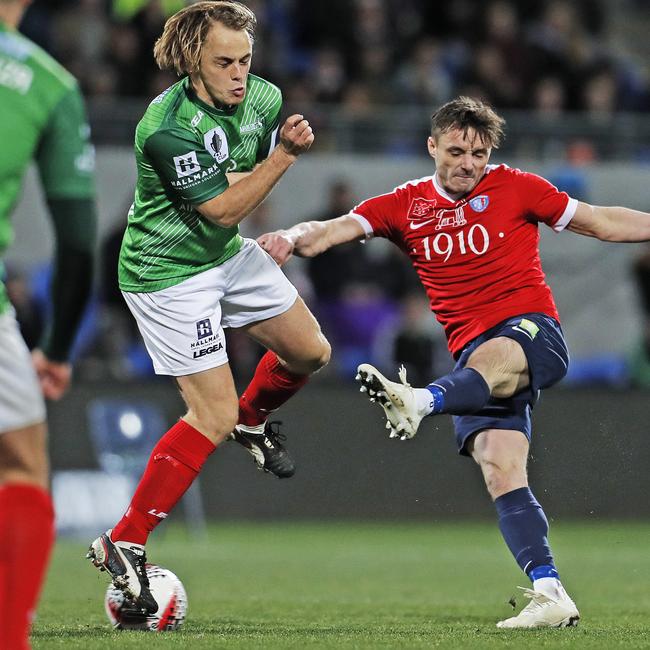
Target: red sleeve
{"points": [[384, 213], [542, 201]]}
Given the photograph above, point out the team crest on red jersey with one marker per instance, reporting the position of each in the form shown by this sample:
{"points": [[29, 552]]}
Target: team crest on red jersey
{"points": [[479, 203], [422, 208], [424, 211]]}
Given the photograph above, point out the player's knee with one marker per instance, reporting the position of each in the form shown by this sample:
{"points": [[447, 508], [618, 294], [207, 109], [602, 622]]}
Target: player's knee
{"points": [[495, 482], [321, 353], [501, 478], [23, 457], [311, 358], [31, 473], [502, 364], [324, 353]]}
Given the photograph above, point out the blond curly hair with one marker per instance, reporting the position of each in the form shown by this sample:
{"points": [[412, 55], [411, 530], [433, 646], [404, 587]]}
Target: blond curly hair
{"points": [[179, 47]]}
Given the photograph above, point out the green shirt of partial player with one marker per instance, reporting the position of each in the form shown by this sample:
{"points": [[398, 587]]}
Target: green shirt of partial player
{"points": [[42, 118], [184, 148]]}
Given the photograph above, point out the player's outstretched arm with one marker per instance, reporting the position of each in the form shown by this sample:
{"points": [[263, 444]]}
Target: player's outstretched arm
{"points": [[241, 198], [613, 224], [310, 238]]}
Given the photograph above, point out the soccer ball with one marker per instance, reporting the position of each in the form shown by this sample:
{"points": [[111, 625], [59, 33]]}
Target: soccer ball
{"points": [[168, 592]]}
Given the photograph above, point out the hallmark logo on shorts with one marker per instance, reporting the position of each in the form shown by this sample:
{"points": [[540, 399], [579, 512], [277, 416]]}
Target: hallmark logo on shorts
{"points": [[207, 341], [203, 329]]}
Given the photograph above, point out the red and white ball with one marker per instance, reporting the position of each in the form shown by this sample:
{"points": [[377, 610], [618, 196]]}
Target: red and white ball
{"points": [[168, 592]]}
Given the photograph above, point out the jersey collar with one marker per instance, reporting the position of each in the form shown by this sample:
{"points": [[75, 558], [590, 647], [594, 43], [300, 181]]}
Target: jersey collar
{"points": [[454, 198], [208, 108]]}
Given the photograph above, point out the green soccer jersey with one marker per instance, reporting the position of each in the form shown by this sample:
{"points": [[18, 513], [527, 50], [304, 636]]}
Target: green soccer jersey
{"points": [[184, 148], [42, 117]]}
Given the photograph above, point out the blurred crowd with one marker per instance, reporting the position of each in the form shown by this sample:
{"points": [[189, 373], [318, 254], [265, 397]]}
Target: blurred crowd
{"points": [[542, 55], [351, 57]]}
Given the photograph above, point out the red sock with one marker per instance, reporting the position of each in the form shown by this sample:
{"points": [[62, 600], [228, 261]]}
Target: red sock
{"points": [[271, 386], [26, 539], [174, 463]]}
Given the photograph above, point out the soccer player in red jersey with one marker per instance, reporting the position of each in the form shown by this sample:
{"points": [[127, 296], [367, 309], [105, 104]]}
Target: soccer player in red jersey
{"points": [[471, 232]]}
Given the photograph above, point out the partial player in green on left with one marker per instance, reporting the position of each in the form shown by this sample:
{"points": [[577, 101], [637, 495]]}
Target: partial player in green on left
{"points": [[42, 119]]}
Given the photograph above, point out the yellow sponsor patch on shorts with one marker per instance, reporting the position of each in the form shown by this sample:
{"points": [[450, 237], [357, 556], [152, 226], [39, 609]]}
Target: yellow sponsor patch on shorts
{"points": [[529, 327]]}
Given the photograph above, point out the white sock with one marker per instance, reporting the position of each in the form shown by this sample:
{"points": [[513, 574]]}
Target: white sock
{"points": [[549, 587], [121, 542], [423, 400], [257, 428]]}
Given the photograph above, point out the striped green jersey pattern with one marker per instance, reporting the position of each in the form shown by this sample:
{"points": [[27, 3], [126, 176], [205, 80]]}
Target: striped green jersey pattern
{"points": [[42, 118], [184, 148]]}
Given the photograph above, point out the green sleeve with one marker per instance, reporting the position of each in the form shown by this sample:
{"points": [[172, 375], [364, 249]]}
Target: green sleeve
{"points": [[66, 163], [65, 156], [269, 139], [184, 166], [75, 225]]}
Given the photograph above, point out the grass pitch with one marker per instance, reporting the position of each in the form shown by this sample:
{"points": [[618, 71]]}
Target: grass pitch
{"points": [[342, 585]]}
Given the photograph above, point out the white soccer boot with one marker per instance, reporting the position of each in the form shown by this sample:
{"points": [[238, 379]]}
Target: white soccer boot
{"points": [[549, 606], [398, 400]]}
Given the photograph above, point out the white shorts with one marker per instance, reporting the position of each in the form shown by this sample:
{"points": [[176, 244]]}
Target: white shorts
{"points": [[21, 399], [182, 326]]}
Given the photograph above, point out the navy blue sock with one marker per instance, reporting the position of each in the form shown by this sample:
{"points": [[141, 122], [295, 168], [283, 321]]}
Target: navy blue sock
{"points": [[460, 392], [524, 527]]}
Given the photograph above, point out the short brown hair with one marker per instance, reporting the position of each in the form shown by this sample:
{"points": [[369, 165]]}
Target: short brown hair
{"points": [[179, 47], [465, 113]]}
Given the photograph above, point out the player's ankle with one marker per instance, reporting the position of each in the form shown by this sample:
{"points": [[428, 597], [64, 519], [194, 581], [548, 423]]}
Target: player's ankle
{"points": [[252, 428], [424, 401]]}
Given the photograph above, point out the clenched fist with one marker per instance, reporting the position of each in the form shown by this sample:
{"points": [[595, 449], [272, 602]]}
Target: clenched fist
{"points": [[278, 245], [296, 136]]}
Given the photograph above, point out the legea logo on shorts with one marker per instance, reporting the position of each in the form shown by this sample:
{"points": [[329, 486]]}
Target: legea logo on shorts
{"points": [[203, 328], [207, 341], [209, 350], [187, 164]]}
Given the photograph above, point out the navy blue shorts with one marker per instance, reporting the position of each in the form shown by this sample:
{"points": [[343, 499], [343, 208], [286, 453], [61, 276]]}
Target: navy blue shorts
{"points": [[543, 343]]}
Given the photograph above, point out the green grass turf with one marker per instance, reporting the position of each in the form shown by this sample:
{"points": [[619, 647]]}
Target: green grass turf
{"points": [[342, 585]]}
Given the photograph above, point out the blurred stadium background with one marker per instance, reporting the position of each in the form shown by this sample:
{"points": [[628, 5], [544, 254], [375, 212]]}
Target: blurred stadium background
{"points": [[572, 79]]}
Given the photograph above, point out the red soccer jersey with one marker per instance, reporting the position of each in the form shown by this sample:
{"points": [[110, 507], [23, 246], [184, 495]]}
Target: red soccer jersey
{"points": [[478, 257]]}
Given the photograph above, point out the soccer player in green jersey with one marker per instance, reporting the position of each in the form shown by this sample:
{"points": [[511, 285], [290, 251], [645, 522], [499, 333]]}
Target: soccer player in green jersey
{"points": [[42, 118], [206, 154]]}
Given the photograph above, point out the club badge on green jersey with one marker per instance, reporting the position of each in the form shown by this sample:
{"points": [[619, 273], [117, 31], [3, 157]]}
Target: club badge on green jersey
{"points": [[216, 144]]}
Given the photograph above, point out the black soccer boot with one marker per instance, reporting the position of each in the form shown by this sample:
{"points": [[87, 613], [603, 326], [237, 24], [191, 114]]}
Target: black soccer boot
{"points": [[267, 449], [126, 564]]}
